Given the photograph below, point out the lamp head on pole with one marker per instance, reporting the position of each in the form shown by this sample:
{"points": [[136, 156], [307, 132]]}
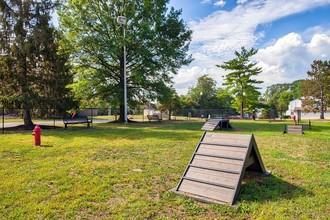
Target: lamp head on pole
{"points": [[121, 20]]}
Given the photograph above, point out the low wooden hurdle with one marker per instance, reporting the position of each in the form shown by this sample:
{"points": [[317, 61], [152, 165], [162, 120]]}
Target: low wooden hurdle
{"points": [[293, 129]]}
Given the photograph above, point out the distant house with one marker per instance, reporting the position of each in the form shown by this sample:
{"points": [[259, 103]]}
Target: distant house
{"points": [[295, 108], [152, 111]]}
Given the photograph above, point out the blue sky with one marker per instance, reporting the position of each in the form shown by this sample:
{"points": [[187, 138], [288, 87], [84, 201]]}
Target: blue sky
{"points": [[289, 35]]}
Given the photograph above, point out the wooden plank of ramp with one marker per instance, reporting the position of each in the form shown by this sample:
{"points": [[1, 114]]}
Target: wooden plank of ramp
{"points": [[216, 169], [215, 123], [211, 125]]}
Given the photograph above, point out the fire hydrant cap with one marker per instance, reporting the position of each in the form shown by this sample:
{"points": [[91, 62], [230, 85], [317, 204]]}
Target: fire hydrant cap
{"points": [[37, 128]]}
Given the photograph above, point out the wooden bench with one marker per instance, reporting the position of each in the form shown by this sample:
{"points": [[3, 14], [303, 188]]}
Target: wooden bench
{"points": [[77, 120], [153, 118], [293, 129]]}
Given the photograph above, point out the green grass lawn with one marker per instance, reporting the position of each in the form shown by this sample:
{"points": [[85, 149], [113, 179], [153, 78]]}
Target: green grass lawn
{"points": [[113, 171]]}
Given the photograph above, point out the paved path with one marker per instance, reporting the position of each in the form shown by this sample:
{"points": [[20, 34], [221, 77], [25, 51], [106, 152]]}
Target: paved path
{"points": [[50, 123]]}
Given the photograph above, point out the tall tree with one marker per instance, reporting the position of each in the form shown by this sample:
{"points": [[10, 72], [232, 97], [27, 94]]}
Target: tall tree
{"points": [[169, 100], [240, 80], [316, 89], [33, 73], [156, 41], [204, 91], [278, 96], [223, 99]]}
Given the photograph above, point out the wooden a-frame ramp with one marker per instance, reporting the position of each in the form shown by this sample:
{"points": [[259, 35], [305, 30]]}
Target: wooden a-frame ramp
{"points": [[216, 169], [212, 124]]}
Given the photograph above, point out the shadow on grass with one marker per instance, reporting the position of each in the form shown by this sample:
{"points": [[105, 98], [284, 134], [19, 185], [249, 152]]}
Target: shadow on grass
{"points": [[318, 128], [46, 145], [256, 127], [136, 131], [258, 187], [23, 128]]}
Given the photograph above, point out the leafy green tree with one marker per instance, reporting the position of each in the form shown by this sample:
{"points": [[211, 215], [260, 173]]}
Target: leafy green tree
{"points": [[32, 71], [316, 89], [240, 80], [187, 102], [207, 96], [223, 99], [204, 91], [169, 101], [156, 42], [278, 96]]}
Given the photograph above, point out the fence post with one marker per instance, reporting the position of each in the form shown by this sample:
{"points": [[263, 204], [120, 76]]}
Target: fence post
{"points": [[91, 109], [142, 115], [54, 118], [3, 119]]}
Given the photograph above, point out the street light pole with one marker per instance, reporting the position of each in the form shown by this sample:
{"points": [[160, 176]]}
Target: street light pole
{"points": [[122, 21]]}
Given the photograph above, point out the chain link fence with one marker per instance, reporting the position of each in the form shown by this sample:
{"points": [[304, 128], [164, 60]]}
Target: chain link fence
{"points": [[53, 118]]}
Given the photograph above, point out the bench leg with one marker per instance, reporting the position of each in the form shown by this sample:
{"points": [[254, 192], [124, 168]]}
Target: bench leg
{"points": [[65, 125]]}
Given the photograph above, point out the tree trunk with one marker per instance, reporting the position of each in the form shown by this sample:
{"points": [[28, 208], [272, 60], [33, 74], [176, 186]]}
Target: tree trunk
{"points": [[322, 105], [122, 113], [28, 124], [242, 110]]}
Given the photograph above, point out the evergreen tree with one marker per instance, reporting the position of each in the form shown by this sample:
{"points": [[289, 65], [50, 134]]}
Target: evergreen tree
{"points": [[240, 80], [316, 89], [33, 73], [156, 44]]}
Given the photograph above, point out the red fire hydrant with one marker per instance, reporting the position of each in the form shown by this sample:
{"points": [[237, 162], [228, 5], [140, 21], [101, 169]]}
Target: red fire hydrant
{"points": [[37, 135]]}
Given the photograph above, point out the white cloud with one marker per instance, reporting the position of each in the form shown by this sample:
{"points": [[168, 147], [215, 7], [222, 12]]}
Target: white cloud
{"points": [[290, 57], [206, 1], [239, 26], [241, 1], [217, 36], [220, 3], [310, 32], [285, 61]]}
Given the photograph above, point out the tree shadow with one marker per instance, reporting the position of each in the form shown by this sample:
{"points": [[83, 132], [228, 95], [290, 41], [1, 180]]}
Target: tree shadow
{"points": [[318, 128], [257, 187]]}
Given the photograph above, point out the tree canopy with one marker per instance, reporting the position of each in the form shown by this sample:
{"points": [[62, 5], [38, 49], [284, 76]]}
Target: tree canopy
{"points": [[316, 88], [278, 96], [32, 72], [240, 81], [205, 95], [156, 42]]}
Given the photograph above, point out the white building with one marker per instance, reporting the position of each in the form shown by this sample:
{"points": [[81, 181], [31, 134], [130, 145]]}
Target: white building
{"points": [[152, 111], [295, 108]]}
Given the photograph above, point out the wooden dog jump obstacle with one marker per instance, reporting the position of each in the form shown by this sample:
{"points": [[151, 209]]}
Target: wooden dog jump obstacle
{"points": [[214, 123], [216, 169], [293, 129]]}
